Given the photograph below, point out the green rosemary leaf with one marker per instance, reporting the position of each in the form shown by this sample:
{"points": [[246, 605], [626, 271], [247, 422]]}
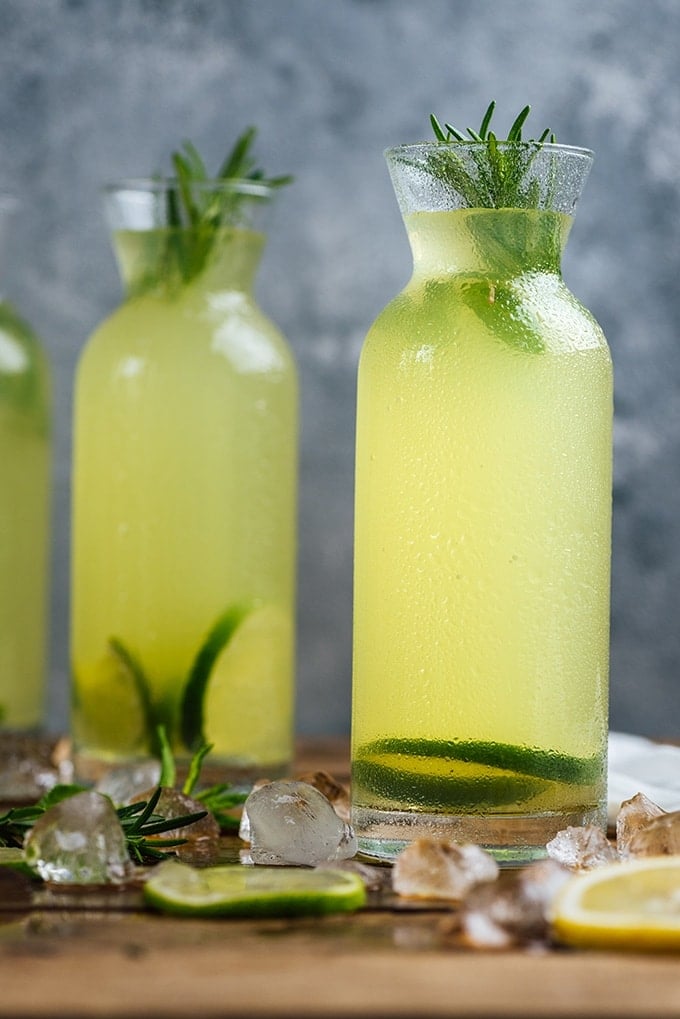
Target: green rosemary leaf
{"points": [[454, 133], [195, 162], [220, 634], [437, 129], [155, 827], [168, 770], [184, 181], [238, 162], [195, 766], [486, 119], [515, 132]]}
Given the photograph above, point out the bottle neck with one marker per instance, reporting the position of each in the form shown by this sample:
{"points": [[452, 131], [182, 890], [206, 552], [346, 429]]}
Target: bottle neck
{"points": [[501, 243], [167, 260]]}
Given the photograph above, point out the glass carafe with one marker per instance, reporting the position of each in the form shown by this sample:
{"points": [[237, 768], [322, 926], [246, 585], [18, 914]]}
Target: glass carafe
{"points": [[483, 518], [25, 448], [184, 498]]}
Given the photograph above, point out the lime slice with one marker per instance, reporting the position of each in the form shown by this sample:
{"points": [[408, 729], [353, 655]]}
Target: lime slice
{"points": [[449, 775], [14, 858], [236, 890], [247, 705], [634, 905], [111, 708]]}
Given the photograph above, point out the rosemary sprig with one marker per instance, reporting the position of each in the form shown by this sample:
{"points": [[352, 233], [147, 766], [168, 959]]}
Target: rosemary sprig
{"points": [[197, 209], [490, 173], [140, 824]]}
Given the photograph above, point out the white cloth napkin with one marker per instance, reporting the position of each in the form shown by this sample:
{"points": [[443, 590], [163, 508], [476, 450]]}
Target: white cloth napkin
{"points": [[637, 765]]}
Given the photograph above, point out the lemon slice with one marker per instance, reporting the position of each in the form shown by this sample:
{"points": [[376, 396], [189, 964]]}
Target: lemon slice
{"points": [[634, 905], [237, 890]]}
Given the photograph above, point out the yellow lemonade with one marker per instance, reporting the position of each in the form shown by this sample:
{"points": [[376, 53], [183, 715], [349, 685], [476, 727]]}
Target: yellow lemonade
{"points": [[24, 522], [483, 506], [184, 517]]}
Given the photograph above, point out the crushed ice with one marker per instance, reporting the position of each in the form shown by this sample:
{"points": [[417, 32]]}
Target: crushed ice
{"points": [[434, 869]]}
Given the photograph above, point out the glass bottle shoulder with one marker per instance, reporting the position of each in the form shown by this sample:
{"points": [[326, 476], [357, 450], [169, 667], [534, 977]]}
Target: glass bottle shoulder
{"points": [[462, 313], [224, 331], [24, 366]]}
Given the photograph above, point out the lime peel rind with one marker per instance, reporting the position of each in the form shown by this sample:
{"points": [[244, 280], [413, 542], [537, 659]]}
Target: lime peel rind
{"points": [[446, 774], [239, 891]]}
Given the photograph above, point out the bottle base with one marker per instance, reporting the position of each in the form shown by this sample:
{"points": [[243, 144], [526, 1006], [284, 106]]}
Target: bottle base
{"points": [[512, 839]]}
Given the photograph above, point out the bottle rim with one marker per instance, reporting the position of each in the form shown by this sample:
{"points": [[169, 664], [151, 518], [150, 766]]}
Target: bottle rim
{"points": [[550, 147], [161, 185]]}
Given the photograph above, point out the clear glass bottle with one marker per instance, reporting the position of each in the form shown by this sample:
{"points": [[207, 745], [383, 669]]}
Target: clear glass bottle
{"points": [[483, 518], [25, 462], [184, 497]]}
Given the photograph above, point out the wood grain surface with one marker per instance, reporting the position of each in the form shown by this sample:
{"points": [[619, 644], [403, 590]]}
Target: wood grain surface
{"points": [[102, 954]]}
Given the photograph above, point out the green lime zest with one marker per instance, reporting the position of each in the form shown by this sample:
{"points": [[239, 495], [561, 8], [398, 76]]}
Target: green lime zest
{"points": [[192, 707], [466, 775], [235, 890]]}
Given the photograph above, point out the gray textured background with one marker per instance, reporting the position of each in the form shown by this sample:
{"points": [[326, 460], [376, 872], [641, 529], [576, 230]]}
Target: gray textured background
{"points": [[96, 89]]}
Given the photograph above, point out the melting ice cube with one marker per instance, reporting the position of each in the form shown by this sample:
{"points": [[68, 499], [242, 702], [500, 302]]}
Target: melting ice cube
{"points": [[660, 837], [129, 781], [515, 910], [79, 841], [293, 823], [634, 816], [432, 869], [30, 766], [581, 848]]}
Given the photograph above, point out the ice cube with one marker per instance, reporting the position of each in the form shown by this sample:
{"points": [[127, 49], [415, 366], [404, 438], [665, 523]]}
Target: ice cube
{"points": [[293, 823], [79, 841], [432, 869], [31, 765], [660, 837], [581, 848], [130, 781], [515, 910], [244, 825], [336, 794], [634, 816]]}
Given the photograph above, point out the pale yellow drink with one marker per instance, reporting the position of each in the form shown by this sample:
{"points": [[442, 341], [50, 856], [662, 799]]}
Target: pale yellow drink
{"points": [[184, 504], [482, 542], [24, 523]]}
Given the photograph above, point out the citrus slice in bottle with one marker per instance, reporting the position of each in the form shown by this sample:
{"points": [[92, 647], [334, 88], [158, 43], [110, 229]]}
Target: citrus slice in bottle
{"points": [[111, 706], [237, 890], [445, 774], [247, 703], [633, 905]]}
